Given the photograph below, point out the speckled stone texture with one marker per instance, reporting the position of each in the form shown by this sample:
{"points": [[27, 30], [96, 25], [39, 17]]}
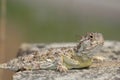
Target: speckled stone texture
{"points": [[108, 70]]}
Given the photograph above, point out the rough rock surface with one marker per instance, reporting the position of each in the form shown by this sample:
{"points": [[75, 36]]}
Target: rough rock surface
{"points": [[107, 70]]}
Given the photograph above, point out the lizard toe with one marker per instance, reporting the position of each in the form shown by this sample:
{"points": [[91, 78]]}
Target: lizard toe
{"points": [[62, 68]]}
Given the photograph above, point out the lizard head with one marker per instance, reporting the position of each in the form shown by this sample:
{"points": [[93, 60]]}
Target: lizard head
{"points": [[89, 43]]}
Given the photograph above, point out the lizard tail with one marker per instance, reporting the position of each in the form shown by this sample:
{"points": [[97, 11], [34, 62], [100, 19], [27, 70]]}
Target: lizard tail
{"points": [[8, 67], [4, 66]]}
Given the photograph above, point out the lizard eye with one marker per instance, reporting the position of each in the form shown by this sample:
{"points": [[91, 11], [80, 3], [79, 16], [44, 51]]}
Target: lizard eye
{"points": [[91, 36]]}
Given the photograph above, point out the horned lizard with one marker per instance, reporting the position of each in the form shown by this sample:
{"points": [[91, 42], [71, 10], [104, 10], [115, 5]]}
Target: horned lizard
{"points": [[60, 59]]}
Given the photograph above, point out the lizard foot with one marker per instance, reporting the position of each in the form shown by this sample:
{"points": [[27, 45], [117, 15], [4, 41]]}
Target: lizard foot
{"points": [[98, 59], [62, 68]]}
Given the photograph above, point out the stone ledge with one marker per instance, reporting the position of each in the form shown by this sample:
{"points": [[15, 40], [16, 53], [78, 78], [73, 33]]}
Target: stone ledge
{"points": [[110, 50]]}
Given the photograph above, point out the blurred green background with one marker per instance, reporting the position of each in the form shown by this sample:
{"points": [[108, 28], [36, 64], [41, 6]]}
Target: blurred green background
{"points": [[59, 20], [47, 21]]}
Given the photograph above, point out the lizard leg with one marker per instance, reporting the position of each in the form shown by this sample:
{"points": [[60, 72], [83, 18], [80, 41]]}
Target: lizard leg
{"points": [[60, 65], [70, 63], [62, 68], [77, 62], [98, 58]]}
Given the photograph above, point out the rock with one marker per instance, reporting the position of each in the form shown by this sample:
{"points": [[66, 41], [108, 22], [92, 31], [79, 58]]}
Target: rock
{"points": [[83, 74], [110, 50]]}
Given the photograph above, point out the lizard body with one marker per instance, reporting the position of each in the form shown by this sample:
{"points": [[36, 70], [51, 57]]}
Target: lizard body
{"points": [[62, 58]]}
